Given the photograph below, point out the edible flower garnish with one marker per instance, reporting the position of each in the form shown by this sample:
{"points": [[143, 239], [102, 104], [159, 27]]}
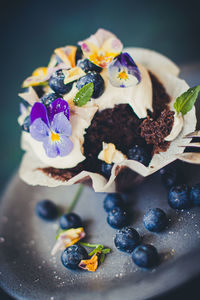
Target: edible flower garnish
{"points": [[101, 47], [97, 255], [73, 74], [67, 55], [67, 238], [52, 127], [110, 154], [123, 72]]}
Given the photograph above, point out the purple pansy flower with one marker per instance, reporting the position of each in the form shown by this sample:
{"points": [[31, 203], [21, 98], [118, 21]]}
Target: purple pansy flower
{"points": [[52, 127], [123, 72]]}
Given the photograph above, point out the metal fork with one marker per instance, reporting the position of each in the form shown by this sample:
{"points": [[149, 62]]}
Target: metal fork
{"points": [[191, 157]]}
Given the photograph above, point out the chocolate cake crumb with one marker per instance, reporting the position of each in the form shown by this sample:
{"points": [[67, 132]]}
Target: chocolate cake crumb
{"points": [[121, 126], [155, 131]]}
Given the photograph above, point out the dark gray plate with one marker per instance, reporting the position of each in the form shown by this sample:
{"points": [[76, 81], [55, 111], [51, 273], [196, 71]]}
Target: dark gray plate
{"points": [[27, 270]]}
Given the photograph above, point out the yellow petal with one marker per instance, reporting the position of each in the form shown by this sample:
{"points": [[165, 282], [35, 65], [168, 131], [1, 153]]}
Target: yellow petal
{"points": [[73, 74], [109, 152], [41, 71], [73, 236], [63, 56], [38, 77], [89, 264]]}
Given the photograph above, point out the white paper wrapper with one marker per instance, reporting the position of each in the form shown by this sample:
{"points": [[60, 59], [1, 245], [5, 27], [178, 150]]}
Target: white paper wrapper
{"points": [[167, 72]]}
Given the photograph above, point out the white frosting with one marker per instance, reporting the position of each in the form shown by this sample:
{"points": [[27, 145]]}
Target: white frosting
{"points": [[138, 96], [176, 129]]}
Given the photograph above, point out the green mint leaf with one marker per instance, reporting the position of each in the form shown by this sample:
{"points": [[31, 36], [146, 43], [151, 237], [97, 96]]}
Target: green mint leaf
{"points": [[186, 101], [84, 94], [102, 257], [106, 250]]}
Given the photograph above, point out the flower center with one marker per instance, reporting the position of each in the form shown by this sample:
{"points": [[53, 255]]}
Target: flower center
{"points": [[101, 58], [54, 136], [123, 75]]}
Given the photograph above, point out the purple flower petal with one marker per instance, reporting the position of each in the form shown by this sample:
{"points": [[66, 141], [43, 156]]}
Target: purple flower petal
{"points": [[61, 124], [57, 106], [39, 111], [50, 148], [39, 130], [123, 72], [64, 146]]}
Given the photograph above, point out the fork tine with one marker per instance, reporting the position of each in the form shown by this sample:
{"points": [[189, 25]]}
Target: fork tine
{"points": [[190, 157], [192, 134], [196, 145]]}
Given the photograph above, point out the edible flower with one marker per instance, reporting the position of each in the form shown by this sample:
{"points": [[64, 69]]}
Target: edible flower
{"points": [[123, 72], [52, 127], [67, 238], [97, 255], [101, 47], [89, 264], [110, 154]]}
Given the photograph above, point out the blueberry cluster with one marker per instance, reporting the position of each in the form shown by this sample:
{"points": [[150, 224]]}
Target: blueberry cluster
{"points": [[127, 239]]}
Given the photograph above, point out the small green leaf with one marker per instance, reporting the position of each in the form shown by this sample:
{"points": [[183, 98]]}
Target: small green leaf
{"points": [[106, 250], [186, 101], [84, 94], [102, 257]]}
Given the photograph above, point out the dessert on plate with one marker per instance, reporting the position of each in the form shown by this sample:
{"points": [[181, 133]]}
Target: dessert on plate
{"points": [[103, 113]]}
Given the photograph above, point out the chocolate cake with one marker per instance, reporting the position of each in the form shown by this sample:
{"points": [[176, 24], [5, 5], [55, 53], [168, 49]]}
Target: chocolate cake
{"points": [[130, 131], [99, 109]]}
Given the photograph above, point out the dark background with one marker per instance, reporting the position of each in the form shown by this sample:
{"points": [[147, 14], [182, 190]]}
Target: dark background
{"points": [[30, 30]]}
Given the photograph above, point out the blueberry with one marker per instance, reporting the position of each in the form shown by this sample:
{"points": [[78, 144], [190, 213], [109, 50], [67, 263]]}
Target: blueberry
{"points": [[46, 210], [127, 239], [106, 169], [138, 153], [195, 194], [179, 197], [70, 220], [56, 83], [79, 54], [155, 220], [145, 256], [49, 98], [72, 256], [111, 201], [169, 176], [26, 124], [117, 218], [96, 79], [86, 65]]}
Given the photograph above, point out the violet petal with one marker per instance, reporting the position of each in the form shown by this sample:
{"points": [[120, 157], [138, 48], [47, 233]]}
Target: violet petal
{"points": [[39, 111], [39, 130], [57, 106], [61, 124], [64, 146], [50, 148]]}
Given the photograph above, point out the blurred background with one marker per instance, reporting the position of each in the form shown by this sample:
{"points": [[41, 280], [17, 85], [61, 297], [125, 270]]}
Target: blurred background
{"points": [[30, 30]]}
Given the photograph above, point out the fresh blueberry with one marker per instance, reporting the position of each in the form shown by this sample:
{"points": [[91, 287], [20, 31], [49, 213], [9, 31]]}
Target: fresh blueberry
{"points": [[179, 197], [138, 153], [145, 256], [46, 210], [195, 194], [106, 169], [70, 220], [86, 65], [49, 98], [26, 124], [56, 83], [117, 218], [39, 90], [169, 176], [113, 200], [127, 239], [79, 54], [72, 256], [96, 79], [155, 220]]}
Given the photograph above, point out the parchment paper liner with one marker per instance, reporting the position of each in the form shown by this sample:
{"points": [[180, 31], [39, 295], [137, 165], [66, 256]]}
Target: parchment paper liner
{"points": [[167, 72]]}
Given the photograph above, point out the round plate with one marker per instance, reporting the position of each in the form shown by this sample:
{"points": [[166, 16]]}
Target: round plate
{"points": [[28, 271]]}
